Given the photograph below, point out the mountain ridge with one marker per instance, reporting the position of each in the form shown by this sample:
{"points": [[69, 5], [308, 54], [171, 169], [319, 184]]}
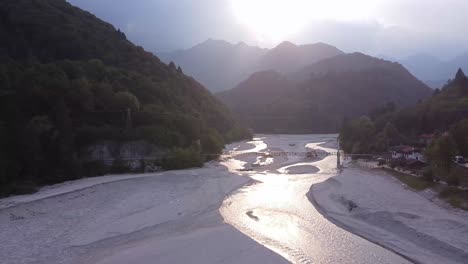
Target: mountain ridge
{"points": [[316, 99], [429, 69], [432, 70], [229, 64]]}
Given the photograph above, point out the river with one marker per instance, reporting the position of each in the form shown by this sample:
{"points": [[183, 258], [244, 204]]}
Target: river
{"points": [[276, 211], [215, 214]]}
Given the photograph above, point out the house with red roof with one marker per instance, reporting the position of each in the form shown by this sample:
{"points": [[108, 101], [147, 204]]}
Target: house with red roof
{"points": [[407, 153]]}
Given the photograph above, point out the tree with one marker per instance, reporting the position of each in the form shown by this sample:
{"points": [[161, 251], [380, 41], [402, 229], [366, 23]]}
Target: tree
{"points": [[4, 80], [391, 134], [125, 100], [358, 136], [80, 94], [441, 152], [387, 108], [68, 165], [172, 65], [363, 135], [212, 143], [460, 135], [182, 158], [3, 156]]}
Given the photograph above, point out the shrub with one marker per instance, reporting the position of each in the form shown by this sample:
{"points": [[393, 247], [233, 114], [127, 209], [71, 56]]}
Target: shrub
{"points": [[381, 162], [212, 144], [17, 189], [141, 166], [453, 181], [455, 197], [182, 158], [119, 166], [95, 168], [455, 176], [428, 174]]}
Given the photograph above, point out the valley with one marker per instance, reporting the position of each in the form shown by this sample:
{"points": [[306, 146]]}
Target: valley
{"points": [[299, 132]]}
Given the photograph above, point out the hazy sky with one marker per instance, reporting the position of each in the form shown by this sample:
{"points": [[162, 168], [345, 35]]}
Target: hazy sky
{"points": [[395, 28]]}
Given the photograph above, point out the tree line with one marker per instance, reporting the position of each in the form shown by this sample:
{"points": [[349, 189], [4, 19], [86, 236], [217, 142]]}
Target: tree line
{"points": [[444, 115]]}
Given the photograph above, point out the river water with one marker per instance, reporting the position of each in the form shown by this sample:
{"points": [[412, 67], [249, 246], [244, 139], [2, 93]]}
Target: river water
{"points": [[276, 212], [177, 216]]}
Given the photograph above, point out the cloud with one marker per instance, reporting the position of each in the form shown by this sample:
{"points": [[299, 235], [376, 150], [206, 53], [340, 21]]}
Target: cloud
{"points": [[395, 28]]}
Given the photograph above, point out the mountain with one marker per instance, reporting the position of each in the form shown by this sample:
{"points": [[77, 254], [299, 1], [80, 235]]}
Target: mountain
{"points": [[439, 112], [288, 57], [444, 113], [220, 65], [69, 80], [347, 85], [342, 63], [217, 64], [433, 71]]}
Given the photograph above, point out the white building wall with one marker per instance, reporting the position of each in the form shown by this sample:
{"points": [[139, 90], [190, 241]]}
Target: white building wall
{"points": [[413, 155], [416, 156]]}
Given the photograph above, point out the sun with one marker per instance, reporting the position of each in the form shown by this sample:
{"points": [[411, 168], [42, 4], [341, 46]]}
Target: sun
{"points": [[276, 20], [272, 20]]}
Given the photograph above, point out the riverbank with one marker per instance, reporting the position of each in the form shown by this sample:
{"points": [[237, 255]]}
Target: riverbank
{"points": [[168, 217], [216, 214], [379, 208]]}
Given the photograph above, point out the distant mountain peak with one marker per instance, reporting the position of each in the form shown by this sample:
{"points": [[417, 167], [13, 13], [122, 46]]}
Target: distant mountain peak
{"points": [[221, 65], [319, 44], [286, 45], [460, 75], [211, 41]]}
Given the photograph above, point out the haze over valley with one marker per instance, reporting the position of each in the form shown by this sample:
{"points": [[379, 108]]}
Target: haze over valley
{"points": [[233, 131], [233, 63]]}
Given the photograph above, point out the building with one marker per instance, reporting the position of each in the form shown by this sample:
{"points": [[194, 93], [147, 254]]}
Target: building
{"points": [[407, 152]]}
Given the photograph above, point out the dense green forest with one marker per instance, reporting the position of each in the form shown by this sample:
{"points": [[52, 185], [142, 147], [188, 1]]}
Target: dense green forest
{"points": [[445, 111], [348, 85], [444, 115], [67, 80]]}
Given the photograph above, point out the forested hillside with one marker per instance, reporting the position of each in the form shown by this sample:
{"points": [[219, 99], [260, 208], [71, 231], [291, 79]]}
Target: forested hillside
{"points": [[67, 80], [432, 70], [317, 98], [442, 118], [445, 111]]}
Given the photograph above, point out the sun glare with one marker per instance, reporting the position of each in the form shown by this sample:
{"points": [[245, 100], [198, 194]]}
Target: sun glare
{"points": [[276, 20]]}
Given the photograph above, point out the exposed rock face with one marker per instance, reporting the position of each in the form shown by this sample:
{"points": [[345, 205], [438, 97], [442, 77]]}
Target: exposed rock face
{"points": [[130, 154], [110, 150]]}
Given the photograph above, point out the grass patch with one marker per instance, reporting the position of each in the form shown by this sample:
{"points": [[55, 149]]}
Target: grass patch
{"points": [[452, 195], [462, 175], [416, 183], [455, 197]]}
